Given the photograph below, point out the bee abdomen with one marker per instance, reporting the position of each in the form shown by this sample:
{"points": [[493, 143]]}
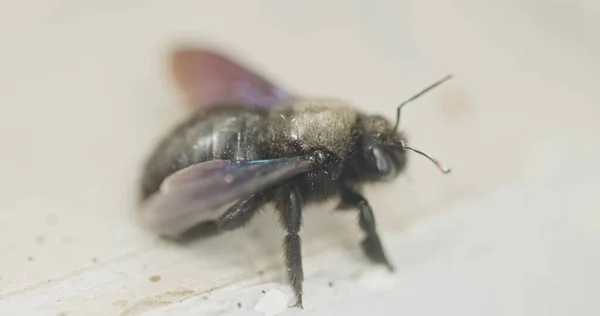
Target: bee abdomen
{"points": [[218, 133]]}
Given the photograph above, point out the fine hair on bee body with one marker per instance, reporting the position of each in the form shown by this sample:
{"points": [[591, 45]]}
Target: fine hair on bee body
{"points": [[249, 143]]}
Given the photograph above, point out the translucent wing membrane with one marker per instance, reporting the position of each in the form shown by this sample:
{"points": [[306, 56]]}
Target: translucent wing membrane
{"points": [[208, 78], [200, 192]]}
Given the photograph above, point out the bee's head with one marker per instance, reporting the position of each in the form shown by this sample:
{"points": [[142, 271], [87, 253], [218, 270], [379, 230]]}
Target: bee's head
{"points": [[381, 151]]}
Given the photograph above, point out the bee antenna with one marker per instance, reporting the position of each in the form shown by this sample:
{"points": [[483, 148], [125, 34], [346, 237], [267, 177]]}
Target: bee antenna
{"points": [[433, 85], [438, 164]]}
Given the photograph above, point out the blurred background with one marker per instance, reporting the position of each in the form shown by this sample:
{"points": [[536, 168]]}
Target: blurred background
{"points": [[86, 91]]}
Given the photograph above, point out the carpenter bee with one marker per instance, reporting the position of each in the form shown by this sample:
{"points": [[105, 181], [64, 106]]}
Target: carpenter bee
{"points": [[250, 143]]}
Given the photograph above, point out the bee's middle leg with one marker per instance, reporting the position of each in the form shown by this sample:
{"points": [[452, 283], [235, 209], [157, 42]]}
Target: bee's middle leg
{"points": [[288, 201]]}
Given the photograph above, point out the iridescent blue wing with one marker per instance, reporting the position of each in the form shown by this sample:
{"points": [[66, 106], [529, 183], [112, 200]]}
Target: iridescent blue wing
{"points": [[208, 78], [201, 192]]}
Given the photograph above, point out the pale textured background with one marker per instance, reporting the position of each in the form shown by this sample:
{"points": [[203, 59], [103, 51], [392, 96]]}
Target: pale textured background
{"points": [[515, 230]]}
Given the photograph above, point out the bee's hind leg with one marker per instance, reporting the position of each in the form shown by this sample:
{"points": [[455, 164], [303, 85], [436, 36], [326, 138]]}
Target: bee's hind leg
{"points": [[202, 230], [238, 215]]}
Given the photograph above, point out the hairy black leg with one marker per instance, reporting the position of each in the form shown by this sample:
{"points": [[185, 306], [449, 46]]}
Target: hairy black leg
{"points": [[289, 204], [240, 213], [371, 245]]}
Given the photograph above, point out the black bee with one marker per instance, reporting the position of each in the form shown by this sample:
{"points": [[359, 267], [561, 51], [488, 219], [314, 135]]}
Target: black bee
{"points": [[249, 143]]}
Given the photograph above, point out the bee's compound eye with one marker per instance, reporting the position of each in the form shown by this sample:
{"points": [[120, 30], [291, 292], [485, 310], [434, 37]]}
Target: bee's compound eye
{"points": [[319, 157], [382, 161]]}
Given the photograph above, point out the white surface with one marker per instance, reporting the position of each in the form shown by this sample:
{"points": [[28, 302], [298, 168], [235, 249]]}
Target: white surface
{"points": [[273, 303], [85, 92]]}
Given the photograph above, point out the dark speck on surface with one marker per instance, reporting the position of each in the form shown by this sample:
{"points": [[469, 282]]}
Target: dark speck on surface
{"points": [[30, 258], [239, 305], [263, 292], [330, 284]]}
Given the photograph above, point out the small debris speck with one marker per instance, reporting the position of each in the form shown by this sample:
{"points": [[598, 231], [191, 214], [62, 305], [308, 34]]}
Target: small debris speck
{"points": [[155, 278], [30, 258], [330, 284], [95, 260], [239, 305], [263, 291], [40, 239]]}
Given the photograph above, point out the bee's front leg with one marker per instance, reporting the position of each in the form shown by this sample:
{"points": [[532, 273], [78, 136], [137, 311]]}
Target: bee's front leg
{"points": [[366, 219]]}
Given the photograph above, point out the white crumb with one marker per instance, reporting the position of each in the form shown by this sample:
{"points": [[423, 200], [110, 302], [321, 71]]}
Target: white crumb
{"points": [[273, 303]]}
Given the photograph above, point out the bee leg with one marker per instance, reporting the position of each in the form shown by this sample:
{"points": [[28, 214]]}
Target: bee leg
{"points": [[366, 219], [236, 216], [288, 202], [203, 229], [240, 213]]}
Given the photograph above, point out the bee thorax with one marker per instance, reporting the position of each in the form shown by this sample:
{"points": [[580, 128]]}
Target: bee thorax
{"points": [[316, 124]]}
